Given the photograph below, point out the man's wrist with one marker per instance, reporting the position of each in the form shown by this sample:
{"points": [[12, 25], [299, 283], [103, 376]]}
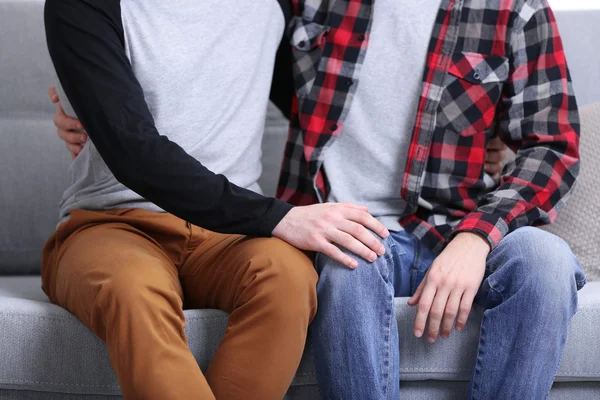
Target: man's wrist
{"points": [[473, 239]]}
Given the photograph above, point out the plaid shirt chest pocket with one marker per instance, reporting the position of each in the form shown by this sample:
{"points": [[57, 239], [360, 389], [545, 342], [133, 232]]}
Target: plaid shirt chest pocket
{"points": [[308, 40], [472, 90]]}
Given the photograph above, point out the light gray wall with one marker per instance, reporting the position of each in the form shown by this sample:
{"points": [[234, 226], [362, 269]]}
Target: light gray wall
{"points": [[580, 31]]}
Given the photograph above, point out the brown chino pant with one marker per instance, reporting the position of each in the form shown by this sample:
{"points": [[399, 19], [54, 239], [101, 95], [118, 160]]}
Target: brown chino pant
{"points": [[128, 274]]}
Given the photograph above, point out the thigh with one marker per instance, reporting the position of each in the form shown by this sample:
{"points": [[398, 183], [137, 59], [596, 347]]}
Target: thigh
{"points": [[114, 257], [220, 268]]}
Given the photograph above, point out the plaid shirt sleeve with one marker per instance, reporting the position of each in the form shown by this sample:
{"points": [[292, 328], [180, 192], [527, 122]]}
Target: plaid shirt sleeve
{"points": [[538, 119]]}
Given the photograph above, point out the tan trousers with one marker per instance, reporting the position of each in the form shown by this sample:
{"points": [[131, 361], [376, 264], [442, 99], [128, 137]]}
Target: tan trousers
{"points": [[128, 274]]}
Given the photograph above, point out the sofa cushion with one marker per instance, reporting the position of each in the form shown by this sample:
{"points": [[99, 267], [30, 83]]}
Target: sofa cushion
{"points": [[35, 164], [25, 65], [32, 160], [45, 348], [579, 222]]}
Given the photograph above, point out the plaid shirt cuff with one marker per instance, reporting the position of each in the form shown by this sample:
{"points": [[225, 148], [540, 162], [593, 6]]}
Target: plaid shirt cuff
{"points": [[491, 226]]}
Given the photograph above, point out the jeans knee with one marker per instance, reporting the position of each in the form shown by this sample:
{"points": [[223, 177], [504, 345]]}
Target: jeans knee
{"points": [[339, 283], [545, 266]]}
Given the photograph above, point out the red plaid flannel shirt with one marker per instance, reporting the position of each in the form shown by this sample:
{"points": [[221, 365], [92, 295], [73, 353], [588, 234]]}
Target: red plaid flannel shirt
{"points": [[494, 68]]}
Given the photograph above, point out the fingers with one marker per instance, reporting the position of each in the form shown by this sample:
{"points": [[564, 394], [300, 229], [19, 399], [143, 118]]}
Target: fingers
{"points": [[52, 94], [494, 157], [72, 137], [465, 309], [75, 149], [62, 121], [355, 206], [350, 243], [450, 313], [436, 313], [423, 308], [366, 220], [363, 235], [493, 169], [335, 253], [496, 144], [66, 131], [494, 161]]}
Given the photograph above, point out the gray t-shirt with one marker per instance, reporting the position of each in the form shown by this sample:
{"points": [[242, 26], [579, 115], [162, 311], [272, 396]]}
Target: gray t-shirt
{"points": [[206, 80], [365, 165]]}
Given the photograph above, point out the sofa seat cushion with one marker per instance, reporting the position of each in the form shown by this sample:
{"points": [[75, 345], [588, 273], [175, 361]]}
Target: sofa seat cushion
{"points": [[45, 348]]}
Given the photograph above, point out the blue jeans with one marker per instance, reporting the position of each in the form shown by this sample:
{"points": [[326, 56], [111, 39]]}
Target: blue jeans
{"points": [[529, 295]]}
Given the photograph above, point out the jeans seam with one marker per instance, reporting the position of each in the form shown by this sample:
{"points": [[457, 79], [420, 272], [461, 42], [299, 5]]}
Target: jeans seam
{"points": [[480, 353], [390, 320], [414, 271], [389, 255], [498, 292]]}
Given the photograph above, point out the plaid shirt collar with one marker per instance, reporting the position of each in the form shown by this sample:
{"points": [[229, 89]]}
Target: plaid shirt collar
{"points": [[480, 70]]}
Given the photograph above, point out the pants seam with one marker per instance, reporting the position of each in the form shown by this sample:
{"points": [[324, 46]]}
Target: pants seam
{"points": [[387, 352], [480, 353], [414, 271], [390, 320], [498, 292]]}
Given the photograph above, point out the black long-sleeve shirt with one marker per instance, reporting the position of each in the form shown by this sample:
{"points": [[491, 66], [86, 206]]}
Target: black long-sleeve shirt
{"points": [[86, 40]]}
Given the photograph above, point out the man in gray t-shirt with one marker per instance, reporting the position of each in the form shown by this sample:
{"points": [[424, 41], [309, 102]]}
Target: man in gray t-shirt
{"points": [[163, 208]]}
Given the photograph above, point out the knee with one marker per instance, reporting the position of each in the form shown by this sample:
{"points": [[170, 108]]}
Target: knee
{"points": [[546, 265], [336, 281]]}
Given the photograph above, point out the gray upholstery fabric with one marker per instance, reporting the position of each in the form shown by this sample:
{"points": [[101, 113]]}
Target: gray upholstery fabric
{"points": [[32, 161], [34, 166], [579, 222], [42, 345], [423, 390], [24, 62]]}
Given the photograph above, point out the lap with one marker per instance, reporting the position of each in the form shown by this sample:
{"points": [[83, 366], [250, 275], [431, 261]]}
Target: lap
{"points": [[207, 268], [221, 266]]}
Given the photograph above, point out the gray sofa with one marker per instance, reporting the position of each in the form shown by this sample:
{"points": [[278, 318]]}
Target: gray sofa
{"points": [[46, 353]]}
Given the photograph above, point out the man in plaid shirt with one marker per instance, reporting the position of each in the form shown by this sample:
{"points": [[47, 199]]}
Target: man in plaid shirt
{"points": [[370, 126]]}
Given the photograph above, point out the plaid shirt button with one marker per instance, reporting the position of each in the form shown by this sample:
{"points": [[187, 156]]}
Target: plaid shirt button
{"points": [[361, 38], [334, 127]]}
